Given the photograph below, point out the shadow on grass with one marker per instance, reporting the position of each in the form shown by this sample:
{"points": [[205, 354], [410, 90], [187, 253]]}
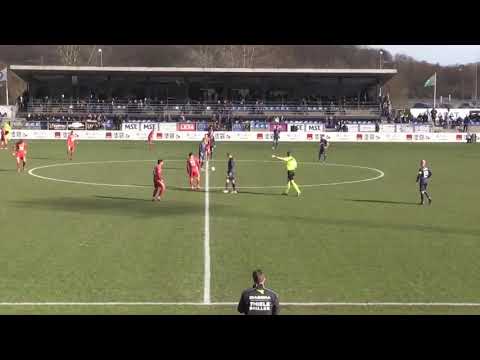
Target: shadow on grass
{"points": [[169, 167], [115, 206], [382, 201], [45, 158], [121, 198], [352, 223], [178, 188]]}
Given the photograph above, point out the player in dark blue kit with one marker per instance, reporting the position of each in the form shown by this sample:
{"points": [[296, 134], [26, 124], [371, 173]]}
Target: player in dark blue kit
{"points": [[424, 173], [276, 137], [211, 142], [230, 175], [202, 153], [323, 148]]}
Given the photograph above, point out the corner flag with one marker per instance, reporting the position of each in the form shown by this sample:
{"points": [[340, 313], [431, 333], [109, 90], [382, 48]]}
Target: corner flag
{"points": [[432, 81]]}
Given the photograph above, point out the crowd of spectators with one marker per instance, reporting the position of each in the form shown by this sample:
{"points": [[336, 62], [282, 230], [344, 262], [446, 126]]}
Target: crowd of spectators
{"points": [[449, 122], [223, 106], [224, 113], [89, 122], [341, 126], [446, 120]]}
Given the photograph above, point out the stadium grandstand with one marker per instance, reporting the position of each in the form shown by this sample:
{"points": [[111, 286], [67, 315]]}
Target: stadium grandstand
{"points": [[111, 95]]}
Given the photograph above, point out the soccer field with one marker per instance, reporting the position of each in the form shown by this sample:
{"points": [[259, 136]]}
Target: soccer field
{"points": [[84, 237]]}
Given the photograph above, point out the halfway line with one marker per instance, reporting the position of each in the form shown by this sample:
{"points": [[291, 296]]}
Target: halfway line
{"points": [[206, 242]]}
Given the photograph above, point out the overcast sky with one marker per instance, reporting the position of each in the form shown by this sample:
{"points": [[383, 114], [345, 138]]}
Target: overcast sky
{"points": [[442, 54]]}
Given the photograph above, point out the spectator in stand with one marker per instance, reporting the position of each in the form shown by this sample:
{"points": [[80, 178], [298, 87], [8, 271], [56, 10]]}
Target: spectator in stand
{"points": [[466, 123], [451, 119], [342, 126], [458, 123], [433, 113], [440, 120]]}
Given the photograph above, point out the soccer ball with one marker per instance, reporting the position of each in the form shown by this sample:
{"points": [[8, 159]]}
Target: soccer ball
{"points": [[213, 168]]}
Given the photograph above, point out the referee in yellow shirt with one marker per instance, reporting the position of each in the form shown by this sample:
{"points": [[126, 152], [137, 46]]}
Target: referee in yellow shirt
{"points": [[291, 167], [6, 135]]}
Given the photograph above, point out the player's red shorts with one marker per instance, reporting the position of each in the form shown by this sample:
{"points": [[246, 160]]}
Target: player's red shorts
{"points": [[194, 174], [158, 182], [20, 155], [71, 147]]}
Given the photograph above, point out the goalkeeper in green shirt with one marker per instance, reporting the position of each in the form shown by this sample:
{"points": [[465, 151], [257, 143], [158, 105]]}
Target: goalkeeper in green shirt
{"points": [[291, 167]]}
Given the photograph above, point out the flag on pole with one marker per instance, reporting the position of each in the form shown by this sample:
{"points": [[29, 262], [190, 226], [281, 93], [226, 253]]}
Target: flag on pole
{"points": [[3, 75], [432, 81]]}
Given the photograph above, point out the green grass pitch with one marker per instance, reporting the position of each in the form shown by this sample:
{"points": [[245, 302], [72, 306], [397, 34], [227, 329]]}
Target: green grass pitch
{"points": [[352, 242]]}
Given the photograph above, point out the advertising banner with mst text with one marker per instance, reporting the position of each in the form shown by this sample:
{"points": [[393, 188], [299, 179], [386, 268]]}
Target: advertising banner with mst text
{"points": [[220, 136]]}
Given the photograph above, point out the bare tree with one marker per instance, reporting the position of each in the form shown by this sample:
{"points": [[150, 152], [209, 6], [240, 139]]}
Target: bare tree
{"points": [[203, 55], [94, 47], [69, 54], [234, 56], [409, 82], [241, 56]]}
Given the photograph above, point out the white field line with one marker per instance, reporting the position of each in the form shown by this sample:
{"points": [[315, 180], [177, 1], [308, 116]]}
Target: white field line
{"points": [[380, 175], [31, 172], [206, 242], [212, 304]]}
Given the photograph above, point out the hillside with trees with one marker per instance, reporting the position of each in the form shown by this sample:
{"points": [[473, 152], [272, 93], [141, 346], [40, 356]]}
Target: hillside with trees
{"points": [[458, 81]]}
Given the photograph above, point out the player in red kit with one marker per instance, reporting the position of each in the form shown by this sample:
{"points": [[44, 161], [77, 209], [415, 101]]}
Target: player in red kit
{"points": [[150, 139], [20, 154], [158, 181], [70, 145], [193, 171]]}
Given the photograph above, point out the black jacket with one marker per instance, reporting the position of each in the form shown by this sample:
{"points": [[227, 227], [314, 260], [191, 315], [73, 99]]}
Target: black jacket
{"points": [[259, 301]]}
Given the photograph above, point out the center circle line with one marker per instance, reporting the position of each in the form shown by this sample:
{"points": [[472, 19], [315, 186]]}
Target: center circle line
{"points": [[31, 172]]}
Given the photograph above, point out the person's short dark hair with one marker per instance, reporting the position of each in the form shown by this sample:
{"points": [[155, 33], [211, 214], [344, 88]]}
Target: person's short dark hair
{"points": [[159, 161], [190, 154], [288, 153], [258, 276]]}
